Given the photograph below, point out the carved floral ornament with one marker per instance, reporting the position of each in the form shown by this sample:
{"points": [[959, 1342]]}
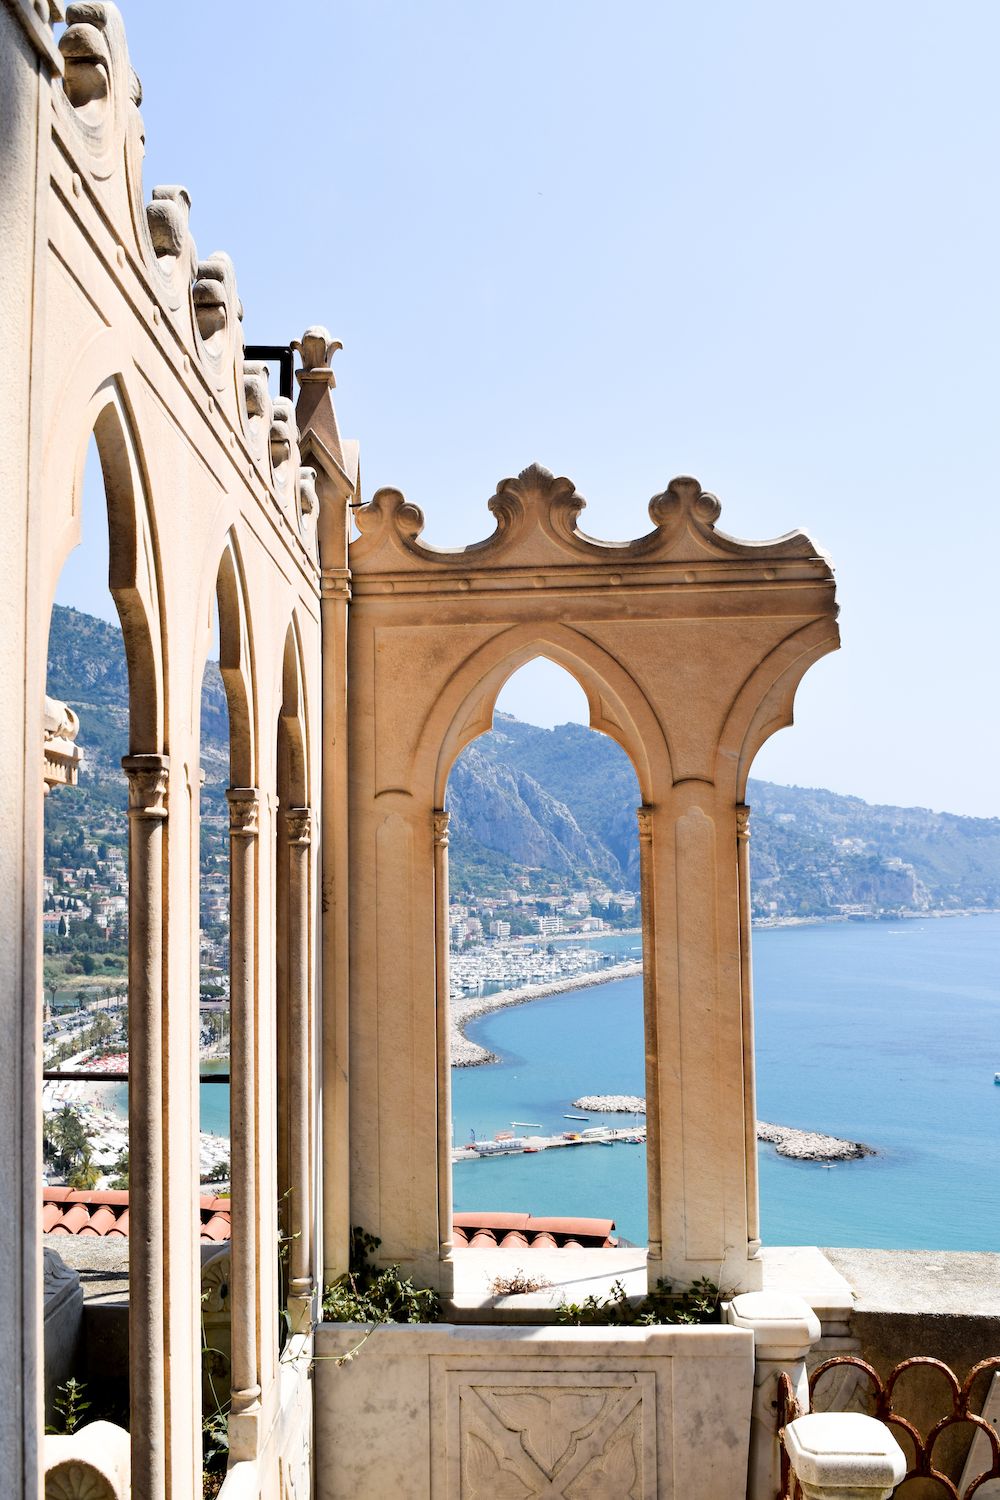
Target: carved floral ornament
{"points": [[98, 102], [299, 825], [244, 811], [536, 518], [147, 785]]}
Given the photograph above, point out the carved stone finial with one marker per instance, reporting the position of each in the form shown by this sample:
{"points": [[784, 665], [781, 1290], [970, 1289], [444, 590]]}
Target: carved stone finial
{"points": [[168, 216], [742, 822], [244, 809], [255, 390], [147, 785], [214, 297], [441, 821], [284, 432], [308, 498], [298, 824], [389, 510], [316, 348], [539, 496], [86, 60], [682, 500]]}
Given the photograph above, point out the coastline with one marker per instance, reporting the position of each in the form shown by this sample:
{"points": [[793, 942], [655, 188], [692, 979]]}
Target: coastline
{"points": [[468, 1054]]}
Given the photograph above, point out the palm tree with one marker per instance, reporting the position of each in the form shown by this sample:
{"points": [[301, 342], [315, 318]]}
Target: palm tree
{"points": [[85, 1175]]}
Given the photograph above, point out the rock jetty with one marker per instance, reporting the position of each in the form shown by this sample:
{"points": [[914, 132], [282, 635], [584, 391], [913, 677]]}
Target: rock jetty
{"points": [[798, 1145], [611, 1104], [810, 1145]]}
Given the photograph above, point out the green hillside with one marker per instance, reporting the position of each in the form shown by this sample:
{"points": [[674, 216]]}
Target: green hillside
{"points": [[554, 805]]}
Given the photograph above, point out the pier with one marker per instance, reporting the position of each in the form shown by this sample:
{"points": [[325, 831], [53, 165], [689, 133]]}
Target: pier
{"points": [[519, 1145]]}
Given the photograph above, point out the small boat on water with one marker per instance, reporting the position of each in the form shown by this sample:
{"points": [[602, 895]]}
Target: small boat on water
{"points": [[576, 1117], [996, 1077]]}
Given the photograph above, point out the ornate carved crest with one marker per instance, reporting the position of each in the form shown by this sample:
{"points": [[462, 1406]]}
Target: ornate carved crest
{"points": [[537, 517]]}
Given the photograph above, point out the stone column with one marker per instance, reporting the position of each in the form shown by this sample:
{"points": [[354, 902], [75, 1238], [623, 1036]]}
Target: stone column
{"points": [[335, 974], [298, 828], [147, 812], [746, 990], [844, 1456], [647, 908], [784, 1330], [244, 810], [441, 958], [700, 1044]]}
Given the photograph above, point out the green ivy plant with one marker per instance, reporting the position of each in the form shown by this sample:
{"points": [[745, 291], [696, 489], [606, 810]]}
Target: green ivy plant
{"points": [[699, 1304], [368, 1293]]}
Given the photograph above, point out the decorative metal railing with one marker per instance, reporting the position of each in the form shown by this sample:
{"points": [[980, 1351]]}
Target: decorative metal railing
{"points": [[921, 1465]]}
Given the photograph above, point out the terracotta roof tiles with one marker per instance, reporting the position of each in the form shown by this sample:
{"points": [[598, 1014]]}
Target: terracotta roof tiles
{"points": [[104, 1214]]}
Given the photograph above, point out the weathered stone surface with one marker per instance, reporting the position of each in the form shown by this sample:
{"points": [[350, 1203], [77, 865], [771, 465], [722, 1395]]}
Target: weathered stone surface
{"points": [[443, 1413]]}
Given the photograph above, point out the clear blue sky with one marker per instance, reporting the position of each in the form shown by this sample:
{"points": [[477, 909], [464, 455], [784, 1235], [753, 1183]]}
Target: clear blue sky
{"points": [[755, 243]]}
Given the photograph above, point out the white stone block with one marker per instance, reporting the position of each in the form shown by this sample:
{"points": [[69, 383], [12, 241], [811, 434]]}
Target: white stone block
{"points": [[844, 1456], [784, 1327]]}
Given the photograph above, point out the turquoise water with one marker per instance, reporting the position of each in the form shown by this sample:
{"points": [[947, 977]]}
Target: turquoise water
{"points": [[885, 1032]]}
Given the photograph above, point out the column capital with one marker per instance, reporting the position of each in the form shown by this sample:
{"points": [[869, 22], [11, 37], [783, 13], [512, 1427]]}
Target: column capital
{"points": [[645, 817], [441, 821], [244, 810], [742, 822], [147, 785], [299, 825]]}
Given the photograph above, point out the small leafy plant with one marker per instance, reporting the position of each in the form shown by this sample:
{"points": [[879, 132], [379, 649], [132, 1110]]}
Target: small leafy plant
{"points": [[69, 1406], [368, 1293], [699, 1304]]}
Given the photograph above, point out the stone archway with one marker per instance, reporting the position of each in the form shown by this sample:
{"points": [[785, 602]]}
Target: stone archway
{"points": [[689, 645]]}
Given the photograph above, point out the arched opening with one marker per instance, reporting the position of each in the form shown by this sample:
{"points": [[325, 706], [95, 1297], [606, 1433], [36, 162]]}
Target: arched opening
{"points": [[228, 1041], [214, 1036], [103, 710], [294, 1038], [545, 976]]}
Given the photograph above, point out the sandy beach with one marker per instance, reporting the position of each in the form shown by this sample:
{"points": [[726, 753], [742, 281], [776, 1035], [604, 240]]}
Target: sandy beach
{"points": [[108, 1130]]}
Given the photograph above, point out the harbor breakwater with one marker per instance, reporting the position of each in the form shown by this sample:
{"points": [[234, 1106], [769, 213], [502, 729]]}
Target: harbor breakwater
{"points": [[797, 1145]]}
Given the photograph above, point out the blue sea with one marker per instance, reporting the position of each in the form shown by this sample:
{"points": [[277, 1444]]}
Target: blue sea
{"points": [[885, 1032]]}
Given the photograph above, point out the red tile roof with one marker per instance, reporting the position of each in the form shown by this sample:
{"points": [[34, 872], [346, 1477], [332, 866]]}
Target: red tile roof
{"points": [[492, 1231], [104, 1215]]}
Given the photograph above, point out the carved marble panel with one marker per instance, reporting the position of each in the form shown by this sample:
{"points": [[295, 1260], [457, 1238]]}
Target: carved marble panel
{"points": [[517, 1434]]}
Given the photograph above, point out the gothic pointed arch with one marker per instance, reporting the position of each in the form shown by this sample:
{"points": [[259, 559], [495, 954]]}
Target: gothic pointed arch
{"points": [[133, 557]]}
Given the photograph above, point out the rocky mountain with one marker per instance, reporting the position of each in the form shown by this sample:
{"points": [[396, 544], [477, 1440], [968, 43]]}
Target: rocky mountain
{"points": [[558, 801], [813, 852]]}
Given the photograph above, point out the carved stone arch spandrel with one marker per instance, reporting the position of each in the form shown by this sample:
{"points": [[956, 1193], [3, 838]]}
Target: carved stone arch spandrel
{"points": [[765, 704], [465, 707]]}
